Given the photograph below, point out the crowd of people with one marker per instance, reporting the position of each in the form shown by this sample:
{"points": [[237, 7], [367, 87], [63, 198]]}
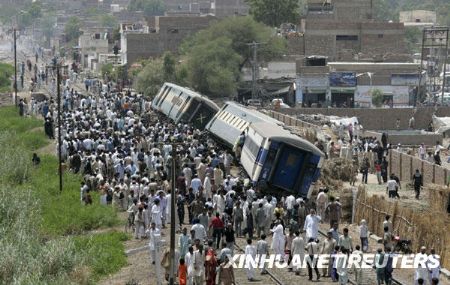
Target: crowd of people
{"points": [[125, 151]]}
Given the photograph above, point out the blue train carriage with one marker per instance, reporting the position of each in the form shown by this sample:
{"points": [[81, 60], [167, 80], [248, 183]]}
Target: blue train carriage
{"points": [[232, 119], [275, 160], [183, 105]]}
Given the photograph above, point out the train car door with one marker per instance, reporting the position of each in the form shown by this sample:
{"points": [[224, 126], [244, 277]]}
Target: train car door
{"points": [[288, 167]]}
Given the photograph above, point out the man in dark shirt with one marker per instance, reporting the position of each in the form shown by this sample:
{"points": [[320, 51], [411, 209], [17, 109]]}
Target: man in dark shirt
{"points": [[229, 236], [418, 182]]}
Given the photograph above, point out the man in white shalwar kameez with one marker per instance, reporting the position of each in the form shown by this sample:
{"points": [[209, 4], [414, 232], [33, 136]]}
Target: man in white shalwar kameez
{"points": [[189, 261], [155, 236], [268, 209], [250, 254], [434, 271], [298, 251], [168, 207], [156, 214], [312, 225], [422, 272], [207, 186], [278, 241]]}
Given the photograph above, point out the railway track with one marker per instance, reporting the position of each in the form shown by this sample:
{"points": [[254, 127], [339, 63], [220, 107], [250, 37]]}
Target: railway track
{"points": [[368, 275], [283, 277]]}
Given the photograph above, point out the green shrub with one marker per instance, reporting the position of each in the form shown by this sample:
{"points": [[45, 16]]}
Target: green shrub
{"points": [[14, 160], [36, 219], [25, 259], [63, 213], [105, 252], [377, 97]]}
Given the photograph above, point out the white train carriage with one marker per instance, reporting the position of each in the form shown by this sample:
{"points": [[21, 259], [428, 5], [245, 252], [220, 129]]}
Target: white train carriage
{"points": [[184, 105], [276, 159], [232, 119]]}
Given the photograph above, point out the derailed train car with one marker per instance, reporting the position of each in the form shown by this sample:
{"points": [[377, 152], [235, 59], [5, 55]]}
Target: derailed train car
{"points": [[232, 119], [183, 105], [276, 159]]}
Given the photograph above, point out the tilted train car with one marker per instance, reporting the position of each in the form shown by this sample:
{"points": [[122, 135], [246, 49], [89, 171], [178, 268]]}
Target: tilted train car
{"points": [[276, 159], [232, 119], [183, 105]]}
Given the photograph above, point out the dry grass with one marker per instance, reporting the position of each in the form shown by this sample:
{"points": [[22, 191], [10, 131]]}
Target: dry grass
{"points": [[424, 228], [438, 197]]}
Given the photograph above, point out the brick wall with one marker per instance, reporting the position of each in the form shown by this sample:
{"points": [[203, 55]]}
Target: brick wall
{"points": [[172, 30], [319, 45], [296, 45], [143, 46]]}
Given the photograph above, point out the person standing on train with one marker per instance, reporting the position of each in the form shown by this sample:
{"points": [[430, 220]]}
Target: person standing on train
{"points": [[238, 145]]}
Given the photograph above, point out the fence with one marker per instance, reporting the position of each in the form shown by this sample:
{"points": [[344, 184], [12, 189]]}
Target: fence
{"points": [[428, 229], [290, 121], [404, 166]]}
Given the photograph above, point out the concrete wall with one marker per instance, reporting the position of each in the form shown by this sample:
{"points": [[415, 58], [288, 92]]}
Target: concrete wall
{"points": [[408, 139], [378, 119], [404, 166], [423, 15]]}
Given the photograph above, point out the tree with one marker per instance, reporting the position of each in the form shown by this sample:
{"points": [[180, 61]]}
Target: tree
{"points": [[213, 58], [108, 21], [169, 67], [413, 36], [149, 7], [35, 10], [6, 71], [214, 68], [48, 27], [274, 13], [72, 29], [106, 70], [377, 97], [151, 78], [241, 31]]}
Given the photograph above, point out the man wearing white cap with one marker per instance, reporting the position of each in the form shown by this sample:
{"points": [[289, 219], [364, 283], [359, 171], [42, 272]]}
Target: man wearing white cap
{"points": [[421, 271]]}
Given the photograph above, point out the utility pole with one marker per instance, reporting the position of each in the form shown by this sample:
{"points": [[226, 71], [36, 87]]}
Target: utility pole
{"points": [[58, 67], [255, 68], [172, 215], [58, 92], [15, 67], [445, 65]]}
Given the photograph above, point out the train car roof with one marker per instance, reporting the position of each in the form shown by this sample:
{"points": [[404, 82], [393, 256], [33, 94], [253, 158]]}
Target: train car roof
{"points": [[275, 132], [193, 94], [253, 112]]}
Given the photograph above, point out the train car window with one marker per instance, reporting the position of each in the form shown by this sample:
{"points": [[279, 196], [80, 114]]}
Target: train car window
{"points": [[160, 95], [239, 123], [233, 120], [222, 115], [164, 96], [228, 118], [241, 126], [180, 111]]}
